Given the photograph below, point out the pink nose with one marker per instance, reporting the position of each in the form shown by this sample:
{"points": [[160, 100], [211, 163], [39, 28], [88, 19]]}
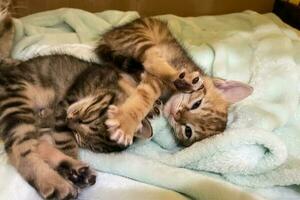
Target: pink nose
{"points": [[180, 114], [70, 118], [177, 115]]}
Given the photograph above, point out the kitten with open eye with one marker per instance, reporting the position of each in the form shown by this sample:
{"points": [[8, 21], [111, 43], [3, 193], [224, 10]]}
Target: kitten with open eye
{"points": [[195, 115], [203, 113]]}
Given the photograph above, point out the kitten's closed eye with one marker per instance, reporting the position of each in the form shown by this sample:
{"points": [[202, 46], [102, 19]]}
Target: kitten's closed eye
{"points": [[86, 121], [196, 104]]}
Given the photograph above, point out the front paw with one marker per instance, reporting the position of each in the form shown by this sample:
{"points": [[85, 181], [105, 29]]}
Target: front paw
{"points": [[119, 126], [188, 82], [157, 110]]}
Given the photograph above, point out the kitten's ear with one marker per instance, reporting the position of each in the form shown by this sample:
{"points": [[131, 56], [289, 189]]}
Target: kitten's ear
{"points": [[145, 132], [233, 91]]}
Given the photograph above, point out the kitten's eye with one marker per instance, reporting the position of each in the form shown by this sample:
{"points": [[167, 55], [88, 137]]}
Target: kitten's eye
{"points": [[196, 104], [188, 132], [80, 121]]}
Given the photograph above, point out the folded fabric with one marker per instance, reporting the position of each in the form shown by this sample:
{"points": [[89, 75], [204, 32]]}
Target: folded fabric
{"points": [[260, 146]]}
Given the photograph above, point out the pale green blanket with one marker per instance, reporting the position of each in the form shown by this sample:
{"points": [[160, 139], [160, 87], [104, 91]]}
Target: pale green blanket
{"points": [[261, 146]]}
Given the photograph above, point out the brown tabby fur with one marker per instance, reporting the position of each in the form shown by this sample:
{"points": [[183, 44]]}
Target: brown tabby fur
{"points": [[34, 99], [167, 66], [42, 101], [46, 98]]}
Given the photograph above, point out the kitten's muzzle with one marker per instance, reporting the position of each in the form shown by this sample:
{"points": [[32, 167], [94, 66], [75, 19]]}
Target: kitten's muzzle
{"points": [[179, 115], [72, 121]]}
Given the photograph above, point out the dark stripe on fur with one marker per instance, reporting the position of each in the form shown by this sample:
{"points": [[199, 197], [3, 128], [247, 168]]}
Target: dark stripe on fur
{"points": [[12, 122], [29, 135], [25, 153], [9, 142], [68, 147], [62, 142]]}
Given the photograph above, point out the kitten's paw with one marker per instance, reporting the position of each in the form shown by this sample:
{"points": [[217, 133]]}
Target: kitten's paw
{"points": [[121, 138], [77, 172], [157, 109], [188, 82], [54, 186], [118, 126]]}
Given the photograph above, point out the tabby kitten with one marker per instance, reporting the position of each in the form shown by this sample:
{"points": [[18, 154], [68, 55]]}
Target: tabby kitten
{"points": [[47, 99], [36, 158], [195, 115]]}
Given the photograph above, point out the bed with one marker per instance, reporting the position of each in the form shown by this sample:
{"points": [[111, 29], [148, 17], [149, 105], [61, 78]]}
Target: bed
{"points": [[257, 157]]}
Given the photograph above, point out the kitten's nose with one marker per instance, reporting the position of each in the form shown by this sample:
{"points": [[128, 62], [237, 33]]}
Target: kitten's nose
{"points": [[179, 114], [71, 118]]}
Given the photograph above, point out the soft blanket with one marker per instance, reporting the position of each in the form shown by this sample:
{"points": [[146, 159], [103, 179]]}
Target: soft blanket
{"points": [[261, 145]]}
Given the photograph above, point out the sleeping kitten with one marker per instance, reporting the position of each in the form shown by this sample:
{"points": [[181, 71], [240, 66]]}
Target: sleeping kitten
{"points": [[199, 113], [36, 158], [42, 101], [47, 99]]}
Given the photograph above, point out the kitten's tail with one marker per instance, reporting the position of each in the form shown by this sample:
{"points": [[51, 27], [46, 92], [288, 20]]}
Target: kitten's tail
{"points": [[127, 64]]}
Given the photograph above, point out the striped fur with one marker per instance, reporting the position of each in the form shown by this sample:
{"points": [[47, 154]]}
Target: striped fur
{"points": [[148, 43], [42, 101]]}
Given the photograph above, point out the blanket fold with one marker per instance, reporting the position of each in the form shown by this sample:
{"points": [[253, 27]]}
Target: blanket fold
{"points": [[261, 145]]}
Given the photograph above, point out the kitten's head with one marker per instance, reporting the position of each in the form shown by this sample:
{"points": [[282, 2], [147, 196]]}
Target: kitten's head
{"points": [[86, 119], [203, 113]]}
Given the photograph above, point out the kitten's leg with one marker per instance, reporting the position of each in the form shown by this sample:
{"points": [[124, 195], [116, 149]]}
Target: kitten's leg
{"points": [[123, 120], [127, 85], [74, 170], [65, 160], [150, 42], [17, 124], [22, 148], [157, 110], [157, 65], [66, 143]]}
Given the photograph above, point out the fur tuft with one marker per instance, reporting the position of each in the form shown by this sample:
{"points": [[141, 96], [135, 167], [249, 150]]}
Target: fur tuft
{"points": [[4, 8]]}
